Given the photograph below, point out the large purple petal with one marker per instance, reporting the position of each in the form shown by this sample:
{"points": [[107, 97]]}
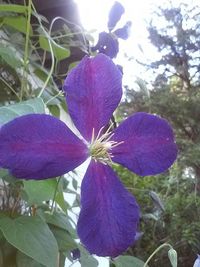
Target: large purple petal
{"points": [[109, 214], [93, 91], [148, 146], [39, 146]]}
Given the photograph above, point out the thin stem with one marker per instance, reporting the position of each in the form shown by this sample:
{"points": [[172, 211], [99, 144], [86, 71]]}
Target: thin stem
{"points": [[59, 93], [69, 22], [8, 85], [55, 192], [51, 52], [24, 78], [159, 248]]}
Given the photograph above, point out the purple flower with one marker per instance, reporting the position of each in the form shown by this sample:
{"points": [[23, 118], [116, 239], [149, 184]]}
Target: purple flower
{"points": [[39, 146]]}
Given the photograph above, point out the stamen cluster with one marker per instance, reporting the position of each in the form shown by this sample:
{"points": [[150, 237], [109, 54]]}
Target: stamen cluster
{"points": [[101, 146]]}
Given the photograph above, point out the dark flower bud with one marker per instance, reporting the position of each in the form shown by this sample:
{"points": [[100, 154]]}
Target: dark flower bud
{"points": [[124, 32], [107, 44], [115, 15], [76, 254]]}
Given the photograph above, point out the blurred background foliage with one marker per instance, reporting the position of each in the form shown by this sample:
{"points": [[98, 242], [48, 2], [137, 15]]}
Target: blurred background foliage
{"points": [[34, 61], [174, 94]]}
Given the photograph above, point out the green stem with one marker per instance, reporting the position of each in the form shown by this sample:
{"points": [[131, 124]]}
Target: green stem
{"points": [[51, 52], [55, 192], [58, 94], [24, 78], [159, 248]]}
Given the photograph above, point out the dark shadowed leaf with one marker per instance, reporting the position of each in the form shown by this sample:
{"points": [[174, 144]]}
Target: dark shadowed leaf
{"points": [[157, 201], [23, 260], [32, 236]]}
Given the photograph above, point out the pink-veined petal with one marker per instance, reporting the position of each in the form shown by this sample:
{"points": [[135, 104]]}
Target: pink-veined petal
{"points": [[109, 213], [39, 146], [93, 91], [148, 146]]}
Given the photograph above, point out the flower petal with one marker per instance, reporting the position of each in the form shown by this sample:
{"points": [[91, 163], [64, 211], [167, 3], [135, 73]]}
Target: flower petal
{"points": [[109, 215], [93, 91], [148, 146], [38, 146]]}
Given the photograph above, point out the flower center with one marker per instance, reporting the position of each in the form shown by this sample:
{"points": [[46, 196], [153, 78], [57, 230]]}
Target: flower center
{"points": [[100, 147]]}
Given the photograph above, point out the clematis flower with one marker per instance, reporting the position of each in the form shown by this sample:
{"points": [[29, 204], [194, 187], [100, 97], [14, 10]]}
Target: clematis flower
{"points": [[38, 146]]}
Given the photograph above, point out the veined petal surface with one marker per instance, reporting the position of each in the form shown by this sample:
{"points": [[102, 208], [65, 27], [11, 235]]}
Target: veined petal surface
{"points": [[109, 213], [148, 146], [39, 146], [93, 91]]}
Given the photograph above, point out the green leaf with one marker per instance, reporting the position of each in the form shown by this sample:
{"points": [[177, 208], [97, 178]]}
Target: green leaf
{"points": [[10, 112], [13, 8], [128, 261], [60, 220], [59, 51], [60, 200], [10, 57], [64, 240], [32, 236], [86, 259], [55, 110], [18, 23], [23, 260], [39, 191]]}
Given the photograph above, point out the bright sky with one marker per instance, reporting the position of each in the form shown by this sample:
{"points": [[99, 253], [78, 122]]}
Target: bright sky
{"points": [[94, 16]]}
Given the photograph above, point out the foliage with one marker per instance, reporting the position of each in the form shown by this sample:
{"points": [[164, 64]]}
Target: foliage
{"points": [[175, 96]]}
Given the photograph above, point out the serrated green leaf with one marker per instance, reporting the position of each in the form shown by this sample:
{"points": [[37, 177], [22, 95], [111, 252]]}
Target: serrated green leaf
{"points": [[10, 112], [32, 236], [59, 51], [13, 8], [39, 191], [128, 261]]}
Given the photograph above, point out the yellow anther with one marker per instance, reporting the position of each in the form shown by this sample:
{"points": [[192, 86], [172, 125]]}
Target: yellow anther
{"points": [[101, 146]]}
